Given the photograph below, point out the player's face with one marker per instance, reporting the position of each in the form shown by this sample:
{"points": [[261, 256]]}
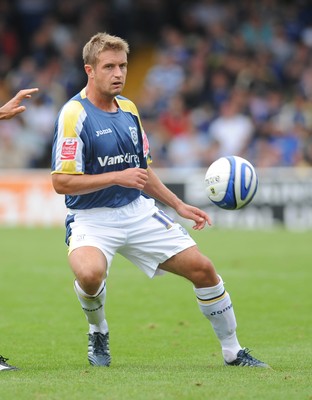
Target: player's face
{"points": [[110, 72]]}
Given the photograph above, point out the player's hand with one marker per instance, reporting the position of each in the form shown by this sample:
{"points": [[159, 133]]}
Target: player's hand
{"points": [[13, 107], [195, 214], [132, 178]]}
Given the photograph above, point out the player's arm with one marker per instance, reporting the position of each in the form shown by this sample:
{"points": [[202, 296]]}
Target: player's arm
{"points": [[77, 184], [13, 107], [156, 189]]}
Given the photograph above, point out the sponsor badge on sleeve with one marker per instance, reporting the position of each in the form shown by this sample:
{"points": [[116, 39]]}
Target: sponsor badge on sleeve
{"points": [[69, 149]]}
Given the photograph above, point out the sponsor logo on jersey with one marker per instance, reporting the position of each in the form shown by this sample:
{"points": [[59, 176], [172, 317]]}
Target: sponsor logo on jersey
{"points": [[120, 159], [103, 132], [69, 149], [134, 134]]}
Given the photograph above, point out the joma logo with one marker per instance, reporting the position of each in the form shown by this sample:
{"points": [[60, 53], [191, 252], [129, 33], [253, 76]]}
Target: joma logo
{"points": [[103, 132]]}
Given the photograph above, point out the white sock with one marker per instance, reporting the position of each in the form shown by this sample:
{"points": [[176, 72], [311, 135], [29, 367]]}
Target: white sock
{"points": [[215, 303], [93, 307]]}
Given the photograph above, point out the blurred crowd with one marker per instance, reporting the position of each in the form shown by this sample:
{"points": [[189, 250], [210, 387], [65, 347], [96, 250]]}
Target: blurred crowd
{"points": [[228, 77]]}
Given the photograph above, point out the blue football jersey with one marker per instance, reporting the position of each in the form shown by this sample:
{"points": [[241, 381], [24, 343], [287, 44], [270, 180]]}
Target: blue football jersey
{"points": [[88, 140]]}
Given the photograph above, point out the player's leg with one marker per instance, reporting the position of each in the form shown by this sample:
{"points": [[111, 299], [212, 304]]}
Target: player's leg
{"points": [[166, 245], [89, 266], [214, 302], [92, 246]]}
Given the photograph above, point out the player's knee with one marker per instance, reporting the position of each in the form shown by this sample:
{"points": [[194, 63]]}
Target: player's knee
{"points": [[203, 274], [91, 279]]}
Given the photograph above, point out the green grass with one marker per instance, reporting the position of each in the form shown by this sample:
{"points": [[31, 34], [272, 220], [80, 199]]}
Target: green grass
{"points": [[162, 347]]}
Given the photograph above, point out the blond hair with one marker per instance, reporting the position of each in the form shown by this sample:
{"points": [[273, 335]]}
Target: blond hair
{"points": [[100, 42]]}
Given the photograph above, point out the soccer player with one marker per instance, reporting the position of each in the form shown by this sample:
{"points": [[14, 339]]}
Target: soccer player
{"points": [[101, 163], [8, 111]]}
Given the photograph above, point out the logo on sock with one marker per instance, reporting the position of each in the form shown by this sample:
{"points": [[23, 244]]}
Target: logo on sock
{"points": [[221, 311]]}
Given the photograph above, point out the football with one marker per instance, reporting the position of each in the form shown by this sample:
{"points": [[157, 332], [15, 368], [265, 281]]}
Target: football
{"points": [[231, 182]]}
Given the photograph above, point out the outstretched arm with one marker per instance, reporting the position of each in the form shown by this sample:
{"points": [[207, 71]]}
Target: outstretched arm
{"points": [[13, 107], [84, 183], [156, 189]]}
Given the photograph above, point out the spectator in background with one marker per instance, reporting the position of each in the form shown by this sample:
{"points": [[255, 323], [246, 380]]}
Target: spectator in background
{"points": [[289, 128], [173, 41], [13, 152], [282, 129], [256, 32], [37, 124], [185, 145], [167, 76], [175, 120], [193, 89], [208, 12], [282, 49], [306, 34], [305, 82], [9, 45], [219, 88], [231, 132]]}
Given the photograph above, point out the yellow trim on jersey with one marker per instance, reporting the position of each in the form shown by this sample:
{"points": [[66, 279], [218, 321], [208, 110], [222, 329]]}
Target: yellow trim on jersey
{"points": [[70, 124], [83, 93], [69, 167], [65, 172], [71, 115], [128, 105], [212, 300]]}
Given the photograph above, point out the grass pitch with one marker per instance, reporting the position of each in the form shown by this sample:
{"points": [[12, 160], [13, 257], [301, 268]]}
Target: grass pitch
{"points": [[162, 347]]}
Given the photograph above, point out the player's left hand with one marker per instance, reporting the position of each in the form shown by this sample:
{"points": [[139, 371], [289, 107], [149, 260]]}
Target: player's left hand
{"points": [[195, 214]]}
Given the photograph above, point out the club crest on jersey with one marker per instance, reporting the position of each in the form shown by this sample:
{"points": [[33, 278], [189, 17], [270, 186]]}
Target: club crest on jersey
{"points": [[134, 134]]}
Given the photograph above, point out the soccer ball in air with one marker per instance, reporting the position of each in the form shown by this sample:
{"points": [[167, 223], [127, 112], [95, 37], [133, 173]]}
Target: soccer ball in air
{"points": [[231, 182]]}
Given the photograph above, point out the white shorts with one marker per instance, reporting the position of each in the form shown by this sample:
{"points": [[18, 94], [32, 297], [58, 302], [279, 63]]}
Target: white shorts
{"points": [[139, 231]]}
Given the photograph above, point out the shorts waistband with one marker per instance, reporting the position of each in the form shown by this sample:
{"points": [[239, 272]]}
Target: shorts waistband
{"points": [[135, 204]]}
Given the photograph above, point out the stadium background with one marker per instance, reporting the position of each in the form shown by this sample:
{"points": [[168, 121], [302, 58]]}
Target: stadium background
{"points": [[196, 68]]}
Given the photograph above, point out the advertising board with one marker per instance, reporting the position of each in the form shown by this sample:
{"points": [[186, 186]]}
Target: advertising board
{"points": [[284, 198]]}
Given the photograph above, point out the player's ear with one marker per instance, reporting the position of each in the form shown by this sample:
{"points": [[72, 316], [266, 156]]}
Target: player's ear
{"points": [[89, 70]]}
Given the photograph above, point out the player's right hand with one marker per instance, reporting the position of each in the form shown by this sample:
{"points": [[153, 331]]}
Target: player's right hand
{"points": [[13, 107], [132, 178]]}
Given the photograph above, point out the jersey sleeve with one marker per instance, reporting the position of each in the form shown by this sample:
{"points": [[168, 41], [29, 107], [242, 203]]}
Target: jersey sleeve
{"points": [[68, 148]]}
